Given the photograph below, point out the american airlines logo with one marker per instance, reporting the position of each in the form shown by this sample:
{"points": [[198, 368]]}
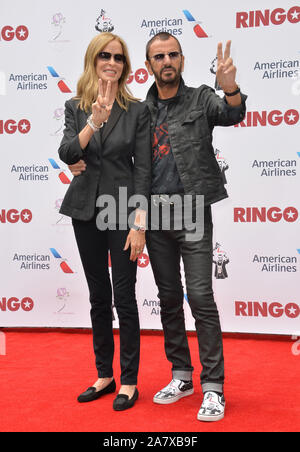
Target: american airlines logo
{"points": [[62, 262], [61, 173], [198, 30], [63, 87]]}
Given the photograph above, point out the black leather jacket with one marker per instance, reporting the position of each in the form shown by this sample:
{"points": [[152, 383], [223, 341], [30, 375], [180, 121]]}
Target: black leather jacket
{"points": [[191, 120]]}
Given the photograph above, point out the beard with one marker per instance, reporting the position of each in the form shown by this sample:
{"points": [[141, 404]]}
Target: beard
{"points": [[168, 76]]}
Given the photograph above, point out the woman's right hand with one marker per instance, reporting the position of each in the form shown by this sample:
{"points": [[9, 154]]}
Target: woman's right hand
{"points": [[77, 168], [100, 112]]}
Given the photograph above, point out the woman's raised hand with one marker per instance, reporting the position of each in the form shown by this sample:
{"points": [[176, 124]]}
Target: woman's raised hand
{"points": [[100, 110]]}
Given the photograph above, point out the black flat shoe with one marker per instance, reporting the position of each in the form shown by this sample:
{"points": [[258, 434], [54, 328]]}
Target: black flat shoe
{"points": [[92, 394], [122, 401]]}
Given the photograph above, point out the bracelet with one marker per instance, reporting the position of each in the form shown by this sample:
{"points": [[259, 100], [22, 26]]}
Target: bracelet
{"points": [[92, 125], [234, 93]]}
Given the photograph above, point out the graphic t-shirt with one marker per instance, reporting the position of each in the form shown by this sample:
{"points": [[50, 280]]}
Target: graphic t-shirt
{"points": [[165, 176]]}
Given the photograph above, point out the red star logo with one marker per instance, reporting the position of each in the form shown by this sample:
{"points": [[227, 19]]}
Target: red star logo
{"points": [[141, 76], [24, 126], [143, 260], [290, 214], [26, 216], [27, 304]]}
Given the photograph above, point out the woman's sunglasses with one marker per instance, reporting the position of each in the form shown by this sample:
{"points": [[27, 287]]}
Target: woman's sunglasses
{"points": [[106, 56]]}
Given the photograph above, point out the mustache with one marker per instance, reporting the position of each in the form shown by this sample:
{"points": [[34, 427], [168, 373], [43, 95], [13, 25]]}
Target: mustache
{"points": [[167, 67]]}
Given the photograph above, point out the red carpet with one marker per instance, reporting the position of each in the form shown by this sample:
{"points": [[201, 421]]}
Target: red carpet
{"points": [[43, 372]]}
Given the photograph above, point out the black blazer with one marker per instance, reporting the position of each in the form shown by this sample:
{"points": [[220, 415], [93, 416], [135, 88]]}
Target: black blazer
{"points": [[117, 155]]}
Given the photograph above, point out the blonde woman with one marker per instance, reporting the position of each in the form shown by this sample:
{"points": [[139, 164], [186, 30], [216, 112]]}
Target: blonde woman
{"points": [[108, 131]]}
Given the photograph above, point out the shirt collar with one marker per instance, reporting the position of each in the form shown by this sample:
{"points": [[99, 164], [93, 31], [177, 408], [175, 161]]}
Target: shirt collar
{"points": [[152, 95]]}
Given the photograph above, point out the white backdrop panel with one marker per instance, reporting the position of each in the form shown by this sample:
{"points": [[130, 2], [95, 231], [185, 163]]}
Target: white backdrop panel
{"points": [[257, 250]]}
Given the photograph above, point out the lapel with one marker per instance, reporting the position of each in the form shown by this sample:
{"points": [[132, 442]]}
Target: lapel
{"points": [[97, 137], [116, 112], [101, 135]]}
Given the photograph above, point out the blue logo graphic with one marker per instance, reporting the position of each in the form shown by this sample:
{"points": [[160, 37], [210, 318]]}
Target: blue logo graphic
{"points": [[52, 71], [189, 16], [55, 253], [54, 164]]}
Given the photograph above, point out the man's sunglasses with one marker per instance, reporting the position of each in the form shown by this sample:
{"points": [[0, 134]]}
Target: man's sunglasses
{"points": [[106, 56], [161, 56]]}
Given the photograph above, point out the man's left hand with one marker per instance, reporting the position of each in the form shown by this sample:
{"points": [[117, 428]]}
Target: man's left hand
{"points": [[226, 71], [77, 168], [136, 241]]}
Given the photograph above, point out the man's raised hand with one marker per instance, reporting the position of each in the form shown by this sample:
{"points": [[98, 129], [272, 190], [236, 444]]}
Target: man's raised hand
{"points": [[226, 71]]}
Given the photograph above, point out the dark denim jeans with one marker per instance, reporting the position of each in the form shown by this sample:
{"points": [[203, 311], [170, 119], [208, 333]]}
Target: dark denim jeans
{"points": [[165, 251]]}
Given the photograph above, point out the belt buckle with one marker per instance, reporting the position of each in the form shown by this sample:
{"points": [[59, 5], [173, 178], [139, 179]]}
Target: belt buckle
{"points": [[166, 201]]}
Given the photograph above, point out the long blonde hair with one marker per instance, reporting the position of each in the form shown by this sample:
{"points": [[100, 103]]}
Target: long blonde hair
{"points": [[87, 86]]}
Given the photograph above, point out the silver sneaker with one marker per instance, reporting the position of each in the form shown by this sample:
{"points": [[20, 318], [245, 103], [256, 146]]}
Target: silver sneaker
{"points": [[173, 392], [212, 408]]}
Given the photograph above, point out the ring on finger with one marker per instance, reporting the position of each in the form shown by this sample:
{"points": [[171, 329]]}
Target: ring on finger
{"points": [[103, 106]]}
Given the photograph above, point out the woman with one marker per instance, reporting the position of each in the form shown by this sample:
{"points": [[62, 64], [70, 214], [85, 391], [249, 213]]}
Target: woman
{"points": [[108, 129]]}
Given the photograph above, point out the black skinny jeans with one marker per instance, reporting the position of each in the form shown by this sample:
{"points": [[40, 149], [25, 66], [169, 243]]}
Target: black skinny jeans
{"points": [[93, 246], [165, 250]]}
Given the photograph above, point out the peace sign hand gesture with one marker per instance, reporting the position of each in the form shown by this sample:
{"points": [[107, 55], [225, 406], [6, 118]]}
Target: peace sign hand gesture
{"points": [[226, 71], [100, 110]]}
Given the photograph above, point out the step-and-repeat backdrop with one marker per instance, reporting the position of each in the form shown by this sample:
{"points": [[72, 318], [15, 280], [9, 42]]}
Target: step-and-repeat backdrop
{"points": [[256, 234]]}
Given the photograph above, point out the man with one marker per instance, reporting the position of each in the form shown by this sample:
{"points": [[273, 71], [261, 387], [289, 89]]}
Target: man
{"points": [[183, 119], [184, 163]]}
